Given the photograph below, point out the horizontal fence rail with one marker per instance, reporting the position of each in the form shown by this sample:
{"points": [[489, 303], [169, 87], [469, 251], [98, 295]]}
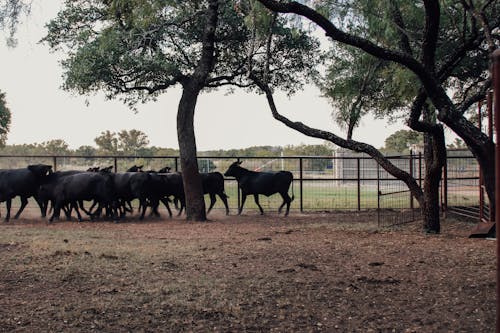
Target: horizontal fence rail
{"points": [[343, 182]]}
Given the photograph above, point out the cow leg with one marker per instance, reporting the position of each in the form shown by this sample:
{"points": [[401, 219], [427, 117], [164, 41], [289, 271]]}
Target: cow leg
{"points": [[143, 206], [67, 211], [256, 198], [167, 206], [8, 204], [88, 212], [223, 197], [212, 202], [286, 200], [56, 207], [183, 204], [155, 204], [243, 199], [130, 208], [42, 204], [24, 202], [75, 206]]}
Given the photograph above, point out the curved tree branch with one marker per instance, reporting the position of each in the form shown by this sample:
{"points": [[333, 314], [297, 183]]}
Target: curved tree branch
{"points": [[349, 144]]}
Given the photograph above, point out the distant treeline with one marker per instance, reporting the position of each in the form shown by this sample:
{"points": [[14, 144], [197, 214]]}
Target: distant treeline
{"points": [[60, 148]]}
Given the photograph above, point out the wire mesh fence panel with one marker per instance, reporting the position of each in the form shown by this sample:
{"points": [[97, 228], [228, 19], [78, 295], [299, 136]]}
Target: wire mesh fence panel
{"points": [[342, 182], [462, 184]]}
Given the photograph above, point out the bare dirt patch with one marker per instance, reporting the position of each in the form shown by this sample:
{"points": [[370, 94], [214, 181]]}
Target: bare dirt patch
{"points": [[304, 273]]}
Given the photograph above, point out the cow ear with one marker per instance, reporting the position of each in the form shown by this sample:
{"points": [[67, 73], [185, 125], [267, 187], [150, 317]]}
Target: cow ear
{"points": [[239, 163]]}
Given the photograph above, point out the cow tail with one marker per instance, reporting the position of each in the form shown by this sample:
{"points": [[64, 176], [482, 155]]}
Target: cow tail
{"points": [[293, 195]]}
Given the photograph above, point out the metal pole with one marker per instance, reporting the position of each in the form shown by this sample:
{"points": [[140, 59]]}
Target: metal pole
{"points": [[359, 184], [301, 185], [411, 174], [54, 163], [481, 196], [496, 110], [378, 195], [489, 107]]}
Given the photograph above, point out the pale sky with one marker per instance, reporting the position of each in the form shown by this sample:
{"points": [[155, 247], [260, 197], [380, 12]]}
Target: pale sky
{"points": [[31, 78]]}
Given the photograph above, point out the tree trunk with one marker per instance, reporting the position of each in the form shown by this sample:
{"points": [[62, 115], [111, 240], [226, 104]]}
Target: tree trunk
{"points": [[192, 86], [430, 208], [193, 190]]}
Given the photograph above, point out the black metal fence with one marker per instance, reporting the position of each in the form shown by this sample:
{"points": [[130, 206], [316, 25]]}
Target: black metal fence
{"points": [[344, 182]]}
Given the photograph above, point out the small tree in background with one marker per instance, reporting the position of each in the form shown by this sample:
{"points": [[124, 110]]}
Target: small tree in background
{"points": [[5, 117], [400, 141]]}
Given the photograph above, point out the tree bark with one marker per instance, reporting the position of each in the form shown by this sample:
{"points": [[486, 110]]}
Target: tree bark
{"points": [[192, 86], [193, 190], [435, 159]]}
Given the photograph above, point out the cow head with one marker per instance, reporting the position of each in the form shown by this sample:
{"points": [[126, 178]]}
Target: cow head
{"points": [[233, 168], [40, 170], [135, 168]]}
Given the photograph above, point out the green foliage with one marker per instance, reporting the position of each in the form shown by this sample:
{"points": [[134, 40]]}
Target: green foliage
{"points": [[124, 142], [399, 25], [5, 116], [457, 144], [107, 142], [400, 141], [134, 50], [55, 147], [10, 13]]}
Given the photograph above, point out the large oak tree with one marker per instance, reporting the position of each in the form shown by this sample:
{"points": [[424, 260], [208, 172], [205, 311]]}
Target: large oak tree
{"points": [[135, 50], [447, 49]]}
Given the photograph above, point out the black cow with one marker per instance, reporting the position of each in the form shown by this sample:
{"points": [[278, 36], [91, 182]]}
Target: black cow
{"points": [[46, 191], [21, 182], [172, 185], [267, 183], [135, 168], [130, 186], [213, 184], [72, 189], [165, 169]]}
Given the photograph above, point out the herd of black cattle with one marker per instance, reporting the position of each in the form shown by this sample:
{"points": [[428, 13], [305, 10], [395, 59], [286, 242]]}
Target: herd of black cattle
{"points": [[111, 193]]}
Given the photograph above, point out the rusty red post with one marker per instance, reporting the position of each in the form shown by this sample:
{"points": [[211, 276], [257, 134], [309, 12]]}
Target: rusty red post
{"points": [[496, 110]]}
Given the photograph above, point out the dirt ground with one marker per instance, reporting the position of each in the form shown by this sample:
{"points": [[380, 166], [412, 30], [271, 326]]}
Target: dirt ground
{"points": [[305, 273]]}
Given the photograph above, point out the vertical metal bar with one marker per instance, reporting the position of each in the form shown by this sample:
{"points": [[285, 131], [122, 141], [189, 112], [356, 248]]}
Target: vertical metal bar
{"points": [[420, 168], [445, 187], [359, 183], [489, 107], [496, 101], [301, 164], [238, 190], [176, 162], [411, 174], [54, 163], [481, 195], [378, 195], [115, 162]]}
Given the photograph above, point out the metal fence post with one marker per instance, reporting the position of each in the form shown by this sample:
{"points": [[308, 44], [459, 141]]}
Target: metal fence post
{"points": [[115, 162], [54, 163], [359, 182], [379, 194], [411, 174], [301, 185]]}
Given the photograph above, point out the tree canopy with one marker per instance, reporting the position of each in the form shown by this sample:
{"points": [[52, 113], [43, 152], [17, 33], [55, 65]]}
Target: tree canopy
{"points": [[135, 50]]}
